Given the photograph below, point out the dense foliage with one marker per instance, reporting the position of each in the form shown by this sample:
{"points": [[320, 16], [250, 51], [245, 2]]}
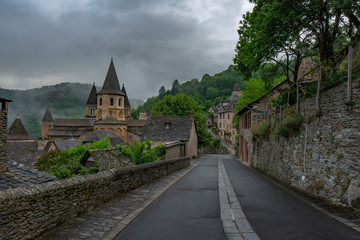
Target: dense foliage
{"points": [[278, 30], [183, 105], [208, 92], [66, 163], [142, 152]]}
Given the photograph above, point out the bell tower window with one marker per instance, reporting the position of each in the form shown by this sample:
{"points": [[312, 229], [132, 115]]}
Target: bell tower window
{"points": [[120, 102], [100, 102], [111, 102]]}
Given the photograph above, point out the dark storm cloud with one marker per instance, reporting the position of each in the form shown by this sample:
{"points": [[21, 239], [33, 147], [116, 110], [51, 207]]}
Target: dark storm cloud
{"points": [[152, 42]]}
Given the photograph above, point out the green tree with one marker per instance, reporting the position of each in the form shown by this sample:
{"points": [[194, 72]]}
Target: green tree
{"points": [[276, 30], [183, 105], [162, 90]]}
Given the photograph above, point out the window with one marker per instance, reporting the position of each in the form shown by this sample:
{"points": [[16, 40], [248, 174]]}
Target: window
{"points": [[111, 101], [111, 114], [100, 102], [119, 101], [92, 111]]}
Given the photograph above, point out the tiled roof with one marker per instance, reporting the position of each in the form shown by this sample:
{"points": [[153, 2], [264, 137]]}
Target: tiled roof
{"points": [[47, 116], [66, 133], [92, 100], [111, 83], [136, 122], [23, 152], [69, 122], [145, 111], [179, 128], [17, 131], [236, 87], [110, 120], [98, 135], [19, 175], [105, 158]]}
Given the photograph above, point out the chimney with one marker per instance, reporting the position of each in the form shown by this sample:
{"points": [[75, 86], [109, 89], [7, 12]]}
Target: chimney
{"points": [[3, 133]]}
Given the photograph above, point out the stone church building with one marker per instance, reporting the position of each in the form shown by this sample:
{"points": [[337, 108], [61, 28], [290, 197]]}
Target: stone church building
{"points": [[108, 109]]}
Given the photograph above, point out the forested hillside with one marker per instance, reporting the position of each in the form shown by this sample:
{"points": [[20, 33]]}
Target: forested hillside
{"points": [[207, 92], [64, 100]]}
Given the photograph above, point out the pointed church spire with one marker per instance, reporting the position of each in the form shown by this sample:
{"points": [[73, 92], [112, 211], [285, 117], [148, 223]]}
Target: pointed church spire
{"points": [[126, 101], [92, 100], [111, 83], [47, 116]]}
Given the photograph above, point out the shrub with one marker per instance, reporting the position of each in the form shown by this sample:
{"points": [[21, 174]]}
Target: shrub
{"points": [[291, 125], [262, 130], [66, 163], [141, 152]]}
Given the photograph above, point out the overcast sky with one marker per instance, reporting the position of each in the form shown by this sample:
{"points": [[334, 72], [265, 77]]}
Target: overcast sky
{"points": [[152, 42]]}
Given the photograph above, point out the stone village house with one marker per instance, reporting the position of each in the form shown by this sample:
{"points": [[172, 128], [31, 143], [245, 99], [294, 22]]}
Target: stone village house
{"points": [[223, 115], [252, 114]]}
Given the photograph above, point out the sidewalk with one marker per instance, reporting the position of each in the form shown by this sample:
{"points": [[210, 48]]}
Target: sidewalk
{"points": [[101, 222]]}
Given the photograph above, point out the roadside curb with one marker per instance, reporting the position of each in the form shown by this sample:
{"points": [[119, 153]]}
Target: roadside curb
{"points": [[116, 230], [294, 193]]}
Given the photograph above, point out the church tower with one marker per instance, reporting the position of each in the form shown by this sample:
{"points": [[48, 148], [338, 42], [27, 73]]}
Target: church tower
{"points": [[111, 111], [91, 103], [46, 124], [127, 103], [111, 100]]}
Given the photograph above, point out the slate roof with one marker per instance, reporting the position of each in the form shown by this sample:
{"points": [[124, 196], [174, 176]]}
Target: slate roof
{"points": [[229, 104], [66, 133], [145, 111], [47, 116], [105, 158], [17, 131], [180, 128], [92, 100], [111, 83], [69, 122], [19, 175], [23, 152], [236, 87], [110, 121], [98, 135], [126, 101], [136, 123]]}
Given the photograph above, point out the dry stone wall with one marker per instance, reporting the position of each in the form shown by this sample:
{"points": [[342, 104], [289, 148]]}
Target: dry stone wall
{"points": [[324, 159], [3, 135], [28, 212]]}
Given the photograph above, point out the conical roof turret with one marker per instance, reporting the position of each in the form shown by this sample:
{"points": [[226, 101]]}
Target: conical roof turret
{"points": [[47, 117], [17, 131], [126, 101], [92, 100], [111, 83]]}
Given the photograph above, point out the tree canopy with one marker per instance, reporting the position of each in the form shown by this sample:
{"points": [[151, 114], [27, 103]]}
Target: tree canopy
{"points": [[183, 105], [278, 30]]}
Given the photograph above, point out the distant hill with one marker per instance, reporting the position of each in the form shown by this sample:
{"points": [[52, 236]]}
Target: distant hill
{"points": [[65, 100], [209, 91]]}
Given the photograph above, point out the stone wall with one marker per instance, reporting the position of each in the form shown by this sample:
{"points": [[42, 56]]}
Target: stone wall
{"points": [[329, 165], [28, 212], [3, 134]]}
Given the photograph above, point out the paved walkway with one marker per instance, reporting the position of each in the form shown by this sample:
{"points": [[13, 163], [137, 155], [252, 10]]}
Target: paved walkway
{"points": [[103, 222]]}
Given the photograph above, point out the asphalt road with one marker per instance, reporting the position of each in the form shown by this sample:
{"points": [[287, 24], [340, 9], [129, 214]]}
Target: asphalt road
{"points": [[190, 209], [274, 214], [187, 210]]}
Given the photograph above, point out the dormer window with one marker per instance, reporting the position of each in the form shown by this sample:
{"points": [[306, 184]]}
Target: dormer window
{"points": [[167, 125], [111, 101]]}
